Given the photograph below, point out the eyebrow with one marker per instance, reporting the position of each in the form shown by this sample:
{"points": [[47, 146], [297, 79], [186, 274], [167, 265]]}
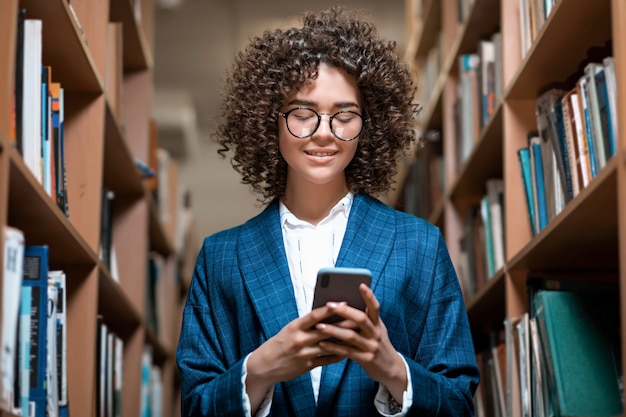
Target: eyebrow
{"points": [[312, 103]]}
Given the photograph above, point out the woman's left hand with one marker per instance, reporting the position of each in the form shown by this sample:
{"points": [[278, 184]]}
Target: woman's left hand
{"points": [[368, 344]]}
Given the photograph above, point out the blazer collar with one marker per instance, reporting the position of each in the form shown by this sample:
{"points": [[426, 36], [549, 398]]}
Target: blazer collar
{"points": [[268, 281]]}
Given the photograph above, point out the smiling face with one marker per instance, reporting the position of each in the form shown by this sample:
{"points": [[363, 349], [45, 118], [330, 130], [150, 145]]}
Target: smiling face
{"points": [[320, 160]]}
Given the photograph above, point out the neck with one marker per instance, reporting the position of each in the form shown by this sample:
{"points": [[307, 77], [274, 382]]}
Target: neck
{"points": [[313, 202]]}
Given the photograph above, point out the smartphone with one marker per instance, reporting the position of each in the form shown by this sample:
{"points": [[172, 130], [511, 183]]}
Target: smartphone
{"points": [[340, 284]]}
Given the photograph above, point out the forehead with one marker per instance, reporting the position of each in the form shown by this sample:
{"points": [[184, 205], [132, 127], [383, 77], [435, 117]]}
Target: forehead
{"points": [[331, 85]]}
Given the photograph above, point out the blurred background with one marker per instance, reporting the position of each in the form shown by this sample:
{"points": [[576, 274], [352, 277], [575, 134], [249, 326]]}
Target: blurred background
{"points": [[195, 43]]}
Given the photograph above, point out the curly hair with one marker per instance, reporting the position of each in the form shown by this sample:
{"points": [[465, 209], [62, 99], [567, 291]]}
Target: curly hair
{"points": [[279, 62]]}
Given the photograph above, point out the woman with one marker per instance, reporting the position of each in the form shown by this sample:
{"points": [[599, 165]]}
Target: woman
{"points": [[316, 118]]}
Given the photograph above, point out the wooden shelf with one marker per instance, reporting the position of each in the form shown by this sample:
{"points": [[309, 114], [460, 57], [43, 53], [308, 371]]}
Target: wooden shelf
{"points": [[99, 151], [63, 42], [137, 54], [34, 212], [586, 25]]}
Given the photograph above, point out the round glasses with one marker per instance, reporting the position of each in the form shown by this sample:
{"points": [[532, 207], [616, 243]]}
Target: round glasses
{"points": [[303, 122]]}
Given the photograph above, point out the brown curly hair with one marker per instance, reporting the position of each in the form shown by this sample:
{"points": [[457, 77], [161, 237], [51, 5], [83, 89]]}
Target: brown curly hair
{"points": [[279, 62]]}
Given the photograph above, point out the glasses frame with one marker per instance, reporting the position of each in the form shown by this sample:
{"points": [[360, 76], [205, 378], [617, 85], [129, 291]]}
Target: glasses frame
{"points": [[319, 121]]}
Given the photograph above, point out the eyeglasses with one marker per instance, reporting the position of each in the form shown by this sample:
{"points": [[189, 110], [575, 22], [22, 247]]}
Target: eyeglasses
{"points": [[303, 122]]}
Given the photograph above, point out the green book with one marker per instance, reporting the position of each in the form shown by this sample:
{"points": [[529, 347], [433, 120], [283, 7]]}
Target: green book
{"points": [[579, 334]]}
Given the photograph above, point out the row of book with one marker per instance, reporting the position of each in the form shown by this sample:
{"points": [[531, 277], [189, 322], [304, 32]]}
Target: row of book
{"points": [[110, 366], [532, 16], [33, 353], [34, 331], [38, 112], [564, 355], [576, 137], [482, 243], [478, 93]]}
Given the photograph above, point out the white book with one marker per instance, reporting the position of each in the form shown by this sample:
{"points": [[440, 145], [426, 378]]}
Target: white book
{"points": [[11, 289], [52, 392], [495, 189], [580, 137], [31, 100], [611, 87]]}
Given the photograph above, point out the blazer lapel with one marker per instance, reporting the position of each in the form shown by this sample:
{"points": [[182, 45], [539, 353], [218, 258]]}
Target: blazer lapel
{"points": [[265, 271], [367, 243]]}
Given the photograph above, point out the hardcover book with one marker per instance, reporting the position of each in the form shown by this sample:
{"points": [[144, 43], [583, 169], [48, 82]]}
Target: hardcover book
{"points": [[579, 334]]}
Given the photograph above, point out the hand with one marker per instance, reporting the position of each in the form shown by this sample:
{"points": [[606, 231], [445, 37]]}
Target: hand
{"points": [[370, 346], [290, 353]]}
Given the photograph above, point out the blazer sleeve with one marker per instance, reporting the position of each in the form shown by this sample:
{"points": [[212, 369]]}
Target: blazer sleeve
{"points": [[209, 369], [443, 372]]}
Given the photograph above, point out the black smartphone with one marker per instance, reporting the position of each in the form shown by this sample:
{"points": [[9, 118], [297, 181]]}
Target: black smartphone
{"points": [[340, 284]]}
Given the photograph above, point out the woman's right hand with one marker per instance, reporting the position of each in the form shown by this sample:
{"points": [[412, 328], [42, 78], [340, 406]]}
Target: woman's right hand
{"points": [[290, 353]]}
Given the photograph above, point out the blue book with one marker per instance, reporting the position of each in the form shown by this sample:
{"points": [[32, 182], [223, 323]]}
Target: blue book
{"points": [[540, 189], [36, 277], [22, 388], [523, 155]]}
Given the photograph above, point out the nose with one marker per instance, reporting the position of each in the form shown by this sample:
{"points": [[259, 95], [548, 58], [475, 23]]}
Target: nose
{"points": [[324, 127]]}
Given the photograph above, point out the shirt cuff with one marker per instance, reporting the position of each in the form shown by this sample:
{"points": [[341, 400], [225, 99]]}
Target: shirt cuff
{"points": [[385, 403], [266, 404]]}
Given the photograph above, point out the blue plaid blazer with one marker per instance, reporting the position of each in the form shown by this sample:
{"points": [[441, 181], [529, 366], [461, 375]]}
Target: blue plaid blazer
{"points": [[241, 295]]}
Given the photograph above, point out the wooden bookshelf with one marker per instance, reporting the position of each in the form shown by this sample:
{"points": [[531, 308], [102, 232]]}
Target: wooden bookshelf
{"points": [[588, 236], [105, 133]]}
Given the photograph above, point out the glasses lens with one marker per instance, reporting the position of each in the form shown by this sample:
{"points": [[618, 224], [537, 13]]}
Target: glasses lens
{"points": [[346, 124], [302, 122]]}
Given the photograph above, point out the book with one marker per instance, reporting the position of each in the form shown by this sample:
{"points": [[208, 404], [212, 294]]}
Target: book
{"points": [[469, 110], [548, 113], [59, 186], [31, 97], [600, 143], [36, 277], [580, 139], [604, 112], [495, 196], [22, 405], [106, 226], [579, 333], [18, 93], [52, 388], [586, 129], [486, 53], [11, 288], [611, 88], [570, 146], [57, 278], [522, 341], [523, 156], [485, 213], [539, 188]]}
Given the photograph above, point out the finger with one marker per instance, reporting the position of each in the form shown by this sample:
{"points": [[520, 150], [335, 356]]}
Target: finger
{"points": [[337, 335], [318, 314], [372, 304]]}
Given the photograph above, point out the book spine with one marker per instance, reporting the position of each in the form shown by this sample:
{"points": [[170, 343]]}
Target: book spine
{"points": [[36, 277], [11, 287], [542, 207], [523, 155]]}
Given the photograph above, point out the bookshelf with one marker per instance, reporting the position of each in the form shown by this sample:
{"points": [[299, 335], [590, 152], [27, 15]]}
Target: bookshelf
{"points": [[587, 237], [101, 54]]}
